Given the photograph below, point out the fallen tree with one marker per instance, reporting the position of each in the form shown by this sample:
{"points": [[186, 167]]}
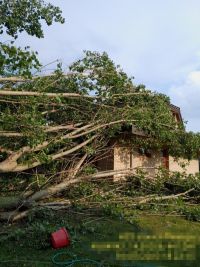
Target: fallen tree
{"points": [[34, 201], [67, 122]]}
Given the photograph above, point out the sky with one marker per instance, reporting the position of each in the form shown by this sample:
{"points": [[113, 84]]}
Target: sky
{"points": [[156, 41]]}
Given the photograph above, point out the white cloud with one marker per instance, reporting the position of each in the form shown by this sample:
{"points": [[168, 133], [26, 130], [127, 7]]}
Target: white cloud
{"points": [[187, 97]]}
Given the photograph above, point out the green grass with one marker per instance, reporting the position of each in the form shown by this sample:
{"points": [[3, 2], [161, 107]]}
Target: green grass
{"points": [[29, 240], [28, 244]]}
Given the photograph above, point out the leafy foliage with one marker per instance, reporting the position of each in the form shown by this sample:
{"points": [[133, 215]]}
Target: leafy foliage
{"points": [[108, 102], [16, 17], [15, 60]]}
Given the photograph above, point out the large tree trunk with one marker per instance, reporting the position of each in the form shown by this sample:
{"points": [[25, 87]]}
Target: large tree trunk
{"points": [[31, 200], [18, 202]]}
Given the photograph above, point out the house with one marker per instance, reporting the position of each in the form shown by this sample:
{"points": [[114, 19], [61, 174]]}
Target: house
{"points": [[124, 157]]}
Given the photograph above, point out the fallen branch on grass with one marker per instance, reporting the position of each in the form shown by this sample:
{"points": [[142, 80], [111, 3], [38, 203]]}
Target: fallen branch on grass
{"points": [[160, 198]]}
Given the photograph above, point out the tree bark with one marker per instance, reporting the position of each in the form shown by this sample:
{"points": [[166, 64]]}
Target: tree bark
{"points": [[50, 95]]}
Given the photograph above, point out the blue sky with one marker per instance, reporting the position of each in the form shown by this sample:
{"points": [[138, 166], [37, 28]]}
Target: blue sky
{"points": [[156, 41]]}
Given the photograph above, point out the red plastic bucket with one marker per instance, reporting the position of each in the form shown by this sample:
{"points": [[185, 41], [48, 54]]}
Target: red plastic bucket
{"points": [[60, 238]]}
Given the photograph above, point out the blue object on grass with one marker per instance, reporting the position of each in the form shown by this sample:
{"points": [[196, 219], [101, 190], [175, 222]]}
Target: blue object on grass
{"points": [[73, 262]]}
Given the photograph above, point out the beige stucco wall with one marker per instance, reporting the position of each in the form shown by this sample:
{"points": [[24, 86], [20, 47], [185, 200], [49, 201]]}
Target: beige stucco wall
{"points": [[147, 164], [192, 166], [121, 160], [125, 158]]}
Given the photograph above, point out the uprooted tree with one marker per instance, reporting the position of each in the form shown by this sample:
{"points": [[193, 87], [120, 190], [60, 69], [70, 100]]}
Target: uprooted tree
{"points": [[59, 125]]}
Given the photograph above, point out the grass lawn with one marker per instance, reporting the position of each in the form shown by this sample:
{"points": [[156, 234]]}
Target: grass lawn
{"points": [[28, 244]]}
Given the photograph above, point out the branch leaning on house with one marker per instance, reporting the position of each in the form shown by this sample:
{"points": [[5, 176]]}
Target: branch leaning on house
{"points": [[10, 164]]}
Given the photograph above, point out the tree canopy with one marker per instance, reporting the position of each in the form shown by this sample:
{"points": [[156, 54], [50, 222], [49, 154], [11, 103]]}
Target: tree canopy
{"points": [[54, 117], [23, 16]]}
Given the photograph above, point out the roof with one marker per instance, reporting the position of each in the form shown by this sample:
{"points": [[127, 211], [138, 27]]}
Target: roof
{"points": [[176, 110]]}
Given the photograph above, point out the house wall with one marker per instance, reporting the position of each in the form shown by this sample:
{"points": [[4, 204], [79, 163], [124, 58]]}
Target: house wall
{"points": [[192, 166], [121, 160], [147, 164], [123, 157], [127, 158]]}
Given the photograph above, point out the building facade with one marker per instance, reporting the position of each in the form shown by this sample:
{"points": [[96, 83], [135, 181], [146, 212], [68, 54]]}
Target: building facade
{"points": [[121, 157]]}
